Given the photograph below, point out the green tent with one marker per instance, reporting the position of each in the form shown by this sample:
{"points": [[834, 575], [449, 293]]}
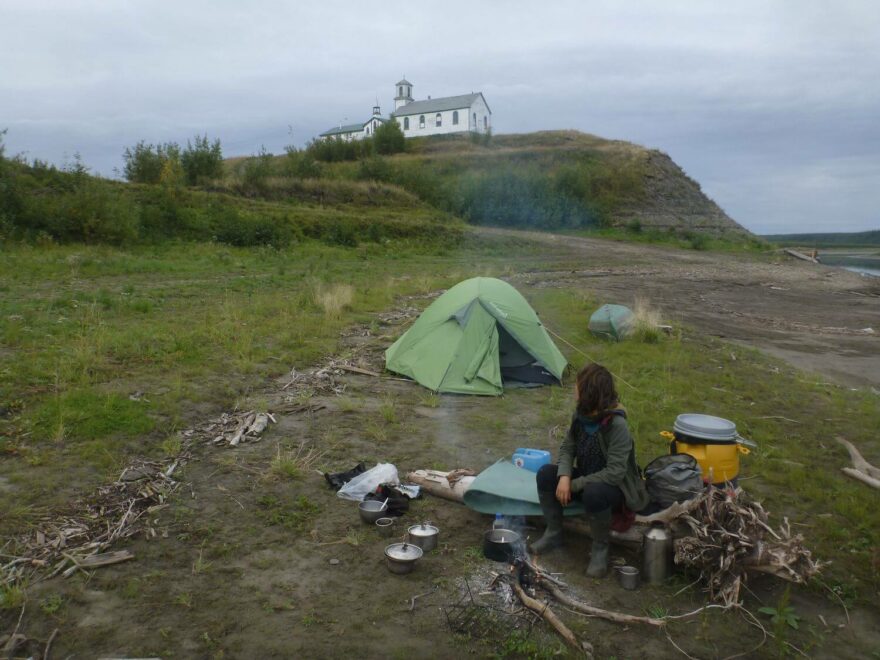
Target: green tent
{"points": [[612, 321], [474, 339]]}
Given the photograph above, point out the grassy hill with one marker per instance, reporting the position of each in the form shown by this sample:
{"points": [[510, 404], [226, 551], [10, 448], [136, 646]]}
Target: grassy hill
{"points": [[39, 202], [839, 239], [552, 180], [546, 180]]}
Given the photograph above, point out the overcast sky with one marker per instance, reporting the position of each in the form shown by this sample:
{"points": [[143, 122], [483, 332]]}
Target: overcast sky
{"points": [[774, 107]]}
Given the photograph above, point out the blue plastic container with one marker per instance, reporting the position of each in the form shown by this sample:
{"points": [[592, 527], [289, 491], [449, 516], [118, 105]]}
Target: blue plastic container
{"points": [[530, 459]]}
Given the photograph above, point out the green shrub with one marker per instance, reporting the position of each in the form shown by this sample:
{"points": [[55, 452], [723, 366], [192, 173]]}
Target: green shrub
{"points": [[336, 150], [301, 164], [202, 160], [257, 170], [244, 229], [696, 240], [375, 168], [388, 138], [145, 163]]}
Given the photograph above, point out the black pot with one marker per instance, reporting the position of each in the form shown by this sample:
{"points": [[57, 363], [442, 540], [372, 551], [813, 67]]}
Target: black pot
{"points": [[501, 544]]}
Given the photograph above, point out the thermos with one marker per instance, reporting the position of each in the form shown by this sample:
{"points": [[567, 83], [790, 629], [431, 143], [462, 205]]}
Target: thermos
{"points": [[658, 554]]}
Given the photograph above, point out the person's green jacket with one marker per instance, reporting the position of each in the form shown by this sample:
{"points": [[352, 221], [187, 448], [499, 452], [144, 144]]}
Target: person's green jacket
{"points": [[620, 469]]}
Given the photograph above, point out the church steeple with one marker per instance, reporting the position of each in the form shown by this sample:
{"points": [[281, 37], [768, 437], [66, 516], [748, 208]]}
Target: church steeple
{"points": [[403, 95]]}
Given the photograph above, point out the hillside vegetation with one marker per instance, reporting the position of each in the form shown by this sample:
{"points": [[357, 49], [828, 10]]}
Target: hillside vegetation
{"points": [[546, 180], [40, 202], [841, 239], [375, 190]]}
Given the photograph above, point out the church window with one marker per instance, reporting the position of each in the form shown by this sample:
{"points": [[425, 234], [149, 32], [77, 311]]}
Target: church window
{"points": [[475, 121], [400, 91], [438, 120], [421, 121], [485, 123], [406, 123], [455, 117]]}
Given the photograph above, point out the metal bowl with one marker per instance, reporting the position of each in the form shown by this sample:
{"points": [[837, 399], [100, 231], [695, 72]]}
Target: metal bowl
{"points": [[401, 557], [385, 526], [372, 510], [424, 535]]}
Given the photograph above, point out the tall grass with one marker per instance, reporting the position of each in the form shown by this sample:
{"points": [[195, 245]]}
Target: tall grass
{"points": [[334, 298]]}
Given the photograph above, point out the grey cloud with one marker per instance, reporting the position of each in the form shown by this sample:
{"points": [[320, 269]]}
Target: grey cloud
{"points": [[771, 106]]}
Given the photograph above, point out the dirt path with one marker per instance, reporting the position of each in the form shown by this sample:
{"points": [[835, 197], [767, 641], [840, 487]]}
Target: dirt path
{"points": [[820, 319]]}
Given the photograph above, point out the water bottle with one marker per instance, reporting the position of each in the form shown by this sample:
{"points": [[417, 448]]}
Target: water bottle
{"points": [[658, 554], [499, 522]]}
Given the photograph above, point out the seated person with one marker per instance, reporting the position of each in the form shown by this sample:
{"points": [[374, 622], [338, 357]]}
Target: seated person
{"points": [[597, 463]]}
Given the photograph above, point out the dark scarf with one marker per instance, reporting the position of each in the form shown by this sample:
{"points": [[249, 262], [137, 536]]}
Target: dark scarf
{"points": [[590, 458]]}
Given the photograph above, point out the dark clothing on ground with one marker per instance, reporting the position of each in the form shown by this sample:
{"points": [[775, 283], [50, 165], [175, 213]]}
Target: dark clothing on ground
{"points": [[597, 496]]}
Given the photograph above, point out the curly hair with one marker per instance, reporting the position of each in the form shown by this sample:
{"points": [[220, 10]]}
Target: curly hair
{"points": [[596, 392]]}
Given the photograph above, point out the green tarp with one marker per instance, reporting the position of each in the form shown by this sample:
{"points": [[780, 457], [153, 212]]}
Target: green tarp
{"points": [[510, 490], [473, 339]]}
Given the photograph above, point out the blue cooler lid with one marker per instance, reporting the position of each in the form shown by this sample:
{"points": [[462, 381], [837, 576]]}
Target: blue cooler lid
{"points": [[705, 427]]}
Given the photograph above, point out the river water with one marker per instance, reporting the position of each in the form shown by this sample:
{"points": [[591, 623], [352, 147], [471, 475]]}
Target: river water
{"points": [[864, 262]]}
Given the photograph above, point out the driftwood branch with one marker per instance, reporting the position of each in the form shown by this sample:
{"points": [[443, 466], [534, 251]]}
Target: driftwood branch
{"points": [[861, 476], [49, 644], [861, 469], [583, 607], [543, 610]]}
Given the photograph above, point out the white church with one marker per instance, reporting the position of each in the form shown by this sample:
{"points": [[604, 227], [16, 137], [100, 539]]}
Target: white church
{"points": [[467, 113]]}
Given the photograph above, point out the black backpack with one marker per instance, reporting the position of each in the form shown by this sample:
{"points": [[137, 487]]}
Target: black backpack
{"points": [[673, 478]]}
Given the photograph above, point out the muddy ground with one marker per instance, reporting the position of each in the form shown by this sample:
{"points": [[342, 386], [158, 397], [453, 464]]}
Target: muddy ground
{"points": [[250, 565]]}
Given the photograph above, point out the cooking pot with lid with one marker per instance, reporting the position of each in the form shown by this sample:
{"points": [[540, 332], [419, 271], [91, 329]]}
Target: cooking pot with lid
{"points": [[713, 442]]}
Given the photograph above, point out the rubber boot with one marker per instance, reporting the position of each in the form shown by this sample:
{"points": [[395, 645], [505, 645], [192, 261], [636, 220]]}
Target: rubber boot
{"points": [[552, 538], [600, 529]]}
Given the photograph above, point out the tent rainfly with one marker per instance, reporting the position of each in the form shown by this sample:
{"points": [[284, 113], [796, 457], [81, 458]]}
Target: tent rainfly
{"points": [[612, 321], [476, 338]]}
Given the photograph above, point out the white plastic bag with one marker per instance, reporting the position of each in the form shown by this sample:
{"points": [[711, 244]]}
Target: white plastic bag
{"points": [[361, 485]]}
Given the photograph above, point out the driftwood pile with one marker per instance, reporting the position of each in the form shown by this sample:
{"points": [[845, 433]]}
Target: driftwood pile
{"points": [[232, 429], [730, 535], [322, 380], [79, 539]]}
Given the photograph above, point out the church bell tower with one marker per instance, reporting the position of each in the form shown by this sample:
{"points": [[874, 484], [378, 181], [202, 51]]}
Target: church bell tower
{"points": [[403, 93]]}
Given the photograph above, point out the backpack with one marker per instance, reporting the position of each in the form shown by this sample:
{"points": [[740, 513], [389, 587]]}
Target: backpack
{"points": [[673, 478]]}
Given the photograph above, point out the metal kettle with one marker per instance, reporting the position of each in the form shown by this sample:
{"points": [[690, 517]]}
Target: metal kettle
{"points": [[657, 554]]}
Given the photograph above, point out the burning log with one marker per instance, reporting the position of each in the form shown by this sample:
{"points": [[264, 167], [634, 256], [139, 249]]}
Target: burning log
{"points": [[543, 610], [580, 606]]}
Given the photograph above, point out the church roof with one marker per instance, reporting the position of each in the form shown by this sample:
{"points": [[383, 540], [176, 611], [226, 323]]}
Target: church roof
{"points": [[403, 82], [351, 128], [438, 105], [348, 128]]}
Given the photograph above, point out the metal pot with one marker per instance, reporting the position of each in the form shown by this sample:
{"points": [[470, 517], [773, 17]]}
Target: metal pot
{"points": [[371, 510], [424, 536], [501, 544], [385, 526], [628, 576], [401, 557]]}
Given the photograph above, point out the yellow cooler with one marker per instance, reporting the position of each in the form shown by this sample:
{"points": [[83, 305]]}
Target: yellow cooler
{"points": [[713, 442]]}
